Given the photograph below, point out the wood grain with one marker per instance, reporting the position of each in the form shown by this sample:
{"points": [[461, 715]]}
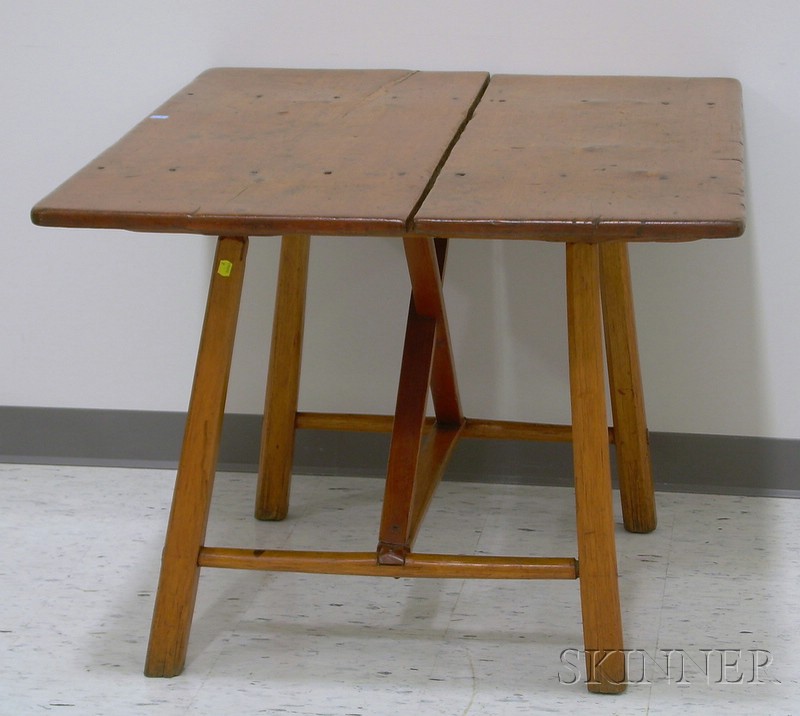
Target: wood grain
{"points": [[627, 396], [283, 381], [426, 261], [435, 453], [407, 432], [600, 604], [595, 159], [177, 587], [434, 566], [413, 471], [264, 152]]}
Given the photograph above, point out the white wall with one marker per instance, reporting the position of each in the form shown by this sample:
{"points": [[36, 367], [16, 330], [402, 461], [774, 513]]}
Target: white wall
{"points": [[102, 319]]}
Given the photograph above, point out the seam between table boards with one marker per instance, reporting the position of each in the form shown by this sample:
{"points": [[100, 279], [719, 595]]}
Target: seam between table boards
{"points": [[446, 155]]}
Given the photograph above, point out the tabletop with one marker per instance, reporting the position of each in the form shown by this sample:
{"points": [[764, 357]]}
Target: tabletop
{"points": [[593, 159], [248, 151]]}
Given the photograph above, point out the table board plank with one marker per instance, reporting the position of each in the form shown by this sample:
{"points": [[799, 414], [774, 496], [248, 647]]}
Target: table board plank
{"points": [[275, 151], [595, 158]]}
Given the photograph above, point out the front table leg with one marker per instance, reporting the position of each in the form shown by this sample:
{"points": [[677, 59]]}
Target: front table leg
{"points": [[597, 559], [177, 587]]}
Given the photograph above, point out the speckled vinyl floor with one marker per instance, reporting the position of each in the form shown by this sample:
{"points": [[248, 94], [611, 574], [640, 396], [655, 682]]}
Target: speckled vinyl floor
{"points": [[710, 605]]}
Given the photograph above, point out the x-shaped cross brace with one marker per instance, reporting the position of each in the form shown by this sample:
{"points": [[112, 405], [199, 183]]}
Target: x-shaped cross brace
{"points": [[417, 457]]}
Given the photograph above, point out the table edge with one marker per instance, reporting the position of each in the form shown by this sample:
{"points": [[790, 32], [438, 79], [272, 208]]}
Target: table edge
{"points": [[579, 230], [219, 225]]}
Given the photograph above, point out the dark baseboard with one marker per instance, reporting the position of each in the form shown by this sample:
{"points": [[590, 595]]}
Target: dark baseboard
{"points": [[715, 464]]}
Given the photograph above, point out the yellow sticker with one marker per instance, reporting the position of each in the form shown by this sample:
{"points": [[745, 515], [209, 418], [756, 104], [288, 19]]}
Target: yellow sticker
{"points": [[225, 268]]}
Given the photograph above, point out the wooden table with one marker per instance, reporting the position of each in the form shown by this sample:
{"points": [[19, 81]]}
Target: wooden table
{"points": [[592, 162]]}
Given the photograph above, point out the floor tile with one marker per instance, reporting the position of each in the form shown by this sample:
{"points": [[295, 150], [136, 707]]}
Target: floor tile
{"points": [[718, 580]]}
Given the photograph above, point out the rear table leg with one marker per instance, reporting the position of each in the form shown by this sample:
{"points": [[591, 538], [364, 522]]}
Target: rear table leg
{"points": [[627, 396], [283, 383]]}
